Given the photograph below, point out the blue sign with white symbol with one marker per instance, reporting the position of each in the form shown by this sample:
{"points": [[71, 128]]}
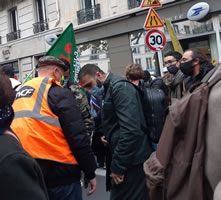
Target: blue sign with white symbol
{"points": [[198, 11]]}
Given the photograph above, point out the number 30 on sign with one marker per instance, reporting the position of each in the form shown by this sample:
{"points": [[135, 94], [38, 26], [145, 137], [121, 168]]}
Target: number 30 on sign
{"points": [[155, 40]]}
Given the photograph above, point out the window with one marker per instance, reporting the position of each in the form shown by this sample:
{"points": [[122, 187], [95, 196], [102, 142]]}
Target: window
{"points": [[87, 4], [176, 28], [147, 49], [89, 11], [13, 24], [40, 10], [149, 63], [138, 61], [13, 19], [136, 50], [41, 18], [166, 29], [94, 55], [187, 29]]}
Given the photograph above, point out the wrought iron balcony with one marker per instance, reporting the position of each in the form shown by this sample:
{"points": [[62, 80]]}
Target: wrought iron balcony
{"points": [[13, 35], [40, 27], [86, 15], [134, 3]]}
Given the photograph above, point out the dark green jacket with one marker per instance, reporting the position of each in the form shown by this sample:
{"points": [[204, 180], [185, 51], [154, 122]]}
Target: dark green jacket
{"points": [[124, 125], [20, 175]]}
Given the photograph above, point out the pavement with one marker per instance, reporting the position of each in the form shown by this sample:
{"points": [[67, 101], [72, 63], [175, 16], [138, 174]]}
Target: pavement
{"points": [[100, 193]]}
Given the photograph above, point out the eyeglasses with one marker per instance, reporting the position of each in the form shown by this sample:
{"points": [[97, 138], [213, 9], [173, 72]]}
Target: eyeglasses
{"points": [[169, 62]]}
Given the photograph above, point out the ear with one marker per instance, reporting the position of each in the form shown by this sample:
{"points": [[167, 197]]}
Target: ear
{"points": [[196, 61], [98, 74]]}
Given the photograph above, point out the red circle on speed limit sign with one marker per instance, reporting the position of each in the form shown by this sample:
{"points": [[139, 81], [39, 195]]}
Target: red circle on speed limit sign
{"points": [[155, 40]]}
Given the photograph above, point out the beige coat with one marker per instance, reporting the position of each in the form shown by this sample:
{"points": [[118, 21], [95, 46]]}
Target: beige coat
{"points": [[213, 136]]}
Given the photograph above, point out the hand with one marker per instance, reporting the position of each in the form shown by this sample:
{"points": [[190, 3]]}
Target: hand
{"points": [[104, 141], [92, 182], [117, 178]]}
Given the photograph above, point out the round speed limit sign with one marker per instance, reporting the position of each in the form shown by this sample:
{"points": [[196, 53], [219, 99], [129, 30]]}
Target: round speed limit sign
{"points": [[155, 40]]}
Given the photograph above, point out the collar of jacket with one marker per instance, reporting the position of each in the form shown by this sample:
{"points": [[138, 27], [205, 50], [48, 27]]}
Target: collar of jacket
{"points": [[107, 81]]}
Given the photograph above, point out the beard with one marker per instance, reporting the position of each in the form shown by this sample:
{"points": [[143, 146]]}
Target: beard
{"points": [[99, 83]]}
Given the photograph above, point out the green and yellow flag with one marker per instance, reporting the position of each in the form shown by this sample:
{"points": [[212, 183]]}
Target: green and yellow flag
{"points": [[176, 44], [65, 47]]}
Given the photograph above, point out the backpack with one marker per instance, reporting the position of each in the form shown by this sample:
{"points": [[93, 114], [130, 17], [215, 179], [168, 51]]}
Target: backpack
{"points": [[154, 108], [176, 170]]}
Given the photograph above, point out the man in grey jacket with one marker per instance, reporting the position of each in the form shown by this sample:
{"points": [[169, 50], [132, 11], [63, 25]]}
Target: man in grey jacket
{"points": [[174, 80]]}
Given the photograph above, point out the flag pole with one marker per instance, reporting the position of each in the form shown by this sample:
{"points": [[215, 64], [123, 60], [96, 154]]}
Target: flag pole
{"points": [[26, 78], [176, 44]]}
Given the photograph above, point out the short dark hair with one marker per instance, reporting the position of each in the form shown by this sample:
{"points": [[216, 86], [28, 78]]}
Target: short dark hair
{"points": [[8, 70], [177, 55], [89, 69], [197, 55], [5, 89], [134, 72], [146, 76]]}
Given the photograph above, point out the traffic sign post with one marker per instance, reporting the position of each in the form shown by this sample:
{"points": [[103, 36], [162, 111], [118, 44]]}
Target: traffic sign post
{"points": [[155, 40], [150, 3], [153, 20]]}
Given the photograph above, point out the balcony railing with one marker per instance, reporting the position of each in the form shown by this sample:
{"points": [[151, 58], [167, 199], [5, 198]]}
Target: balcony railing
{"points": [[134, 3], [13, 35], [86, 15], [40, 27]]}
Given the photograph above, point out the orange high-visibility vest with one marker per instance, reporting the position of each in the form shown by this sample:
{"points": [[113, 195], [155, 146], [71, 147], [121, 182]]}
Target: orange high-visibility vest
{"points": [[37, 127]]}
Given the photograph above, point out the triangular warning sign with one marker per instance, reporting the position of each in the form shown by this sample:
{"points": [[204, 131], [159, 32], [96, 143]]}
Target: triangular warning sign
{"points": [[150, 3], [153, 20]]}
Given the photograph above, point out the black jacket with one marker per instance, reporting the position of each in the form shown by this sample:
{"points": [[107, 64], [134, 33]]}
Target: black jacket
{"points": [[62, 103], [124, 125], [20, 175]]}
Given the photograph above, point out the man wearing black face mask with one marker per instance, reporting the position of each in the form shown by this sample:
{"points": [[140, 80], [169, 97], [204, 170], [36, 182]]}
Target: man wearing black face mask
{"points": [[195, 66], [174, 80]]}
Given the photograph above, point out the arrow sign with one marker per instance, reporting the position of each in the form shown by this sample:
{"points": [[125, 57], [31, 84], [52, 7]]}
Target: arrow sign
{"points": [[150, 3], [153, 20]]}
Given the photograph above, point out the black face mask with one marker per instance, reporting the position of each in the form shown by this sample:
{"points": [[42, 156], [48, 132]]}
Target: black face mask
{"points": [[187, 68], [172, 69]]}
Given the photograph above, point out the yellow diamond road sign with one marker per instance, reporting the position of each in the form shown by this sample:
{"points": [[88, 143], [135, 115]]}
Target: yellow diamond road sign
{"points": [[150, 3]]}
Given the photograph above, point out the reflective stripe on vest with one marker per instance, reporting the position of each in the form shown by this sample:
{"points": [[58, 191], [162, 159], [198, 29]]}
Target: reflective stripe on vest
{"points": [[35, 114], [37, 127]]}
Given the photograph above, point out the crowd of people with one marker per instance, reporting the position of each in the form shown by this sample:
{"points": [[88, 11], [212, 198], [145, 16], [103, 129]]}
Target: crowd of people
{"points": [[53, 129]]}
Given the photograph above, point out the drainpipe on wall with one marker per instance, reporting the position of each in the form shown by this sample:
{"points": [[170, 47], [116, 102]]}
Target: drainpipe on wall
{"points": [[58, 13]]}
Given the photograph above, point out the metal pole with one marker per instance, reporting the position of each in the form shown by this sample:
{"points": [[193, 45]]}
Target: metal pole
{"points": [[216, 26], [160, 57], [28, 76]]}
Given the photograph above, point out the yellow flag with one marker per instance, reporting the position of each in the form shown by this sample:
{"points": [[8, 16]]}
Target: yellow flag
{"points": [[176, 44]]}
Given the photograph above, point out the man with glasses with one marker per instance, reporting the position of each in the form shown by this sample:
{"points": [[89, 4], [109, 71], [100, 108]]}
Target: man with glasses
{"points": [[50, 128], [175, 78]]}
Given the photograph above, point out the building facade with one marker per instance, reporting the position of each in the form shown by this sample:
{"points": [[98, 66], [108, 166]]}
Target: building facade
{"points": [[23, 27], [108, 33]]}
